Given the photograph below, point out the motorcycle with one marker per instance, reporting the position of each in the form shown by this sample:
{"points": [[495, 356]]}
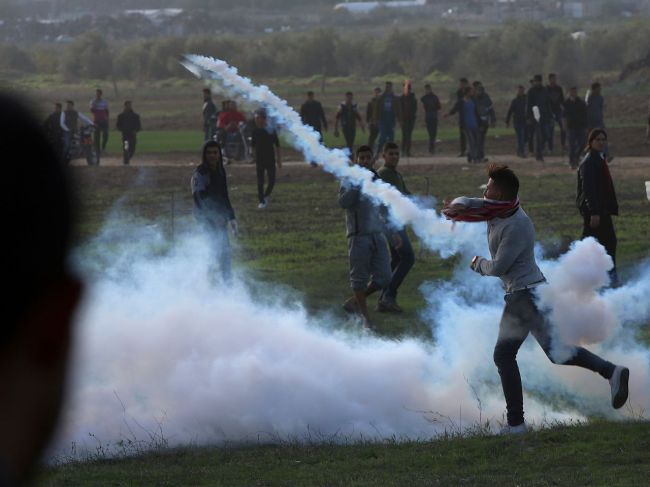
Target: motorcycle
{"points": [[82, 147]]}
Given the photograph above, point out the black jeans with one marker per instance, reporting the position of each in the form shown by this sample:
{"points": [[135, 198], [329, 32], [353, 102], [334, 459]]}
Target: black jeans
{"points": [[131, 139], [401, 261], [606, 236], [472, 136], [432, 129], [101, 131], [270, 170], [463, 140], [349, 134], [577, 141], [520, 317], [482, 135], [373, 133], [407, 136]]}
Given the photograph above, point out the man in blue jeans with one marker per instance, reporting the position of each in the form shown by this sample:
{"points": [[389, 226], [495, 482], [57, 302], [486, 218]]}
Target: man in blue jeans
{"points": [[387, 112], [402, 255], [511, 239]]}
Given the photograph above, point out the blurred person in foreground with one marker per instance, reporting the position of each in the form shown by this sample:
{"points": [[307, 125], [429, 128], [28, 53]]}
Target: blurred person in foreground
{"points": [[511, 240], [402, 256], [128, 123], [212, 208], [367, 245], [39, 304], [596, 197]]}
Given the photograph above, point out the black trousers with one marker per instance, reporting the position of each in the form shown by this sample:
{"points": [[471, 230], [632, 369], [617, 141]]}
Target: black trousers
{"points": [[521, 317], [349, 134], [432, 129], [407, 136], [270, 170], [131, 139], [101, 132], [606, 236], [373, 133], [463, 140]]}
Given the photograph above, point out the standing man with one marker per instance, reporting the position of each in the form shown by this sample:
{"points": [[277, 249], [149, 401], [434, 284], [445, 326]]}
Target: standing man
{"points": [[408, 107], [402, 255], [596, 198], [210, 115], [348, 115], [312, 114], [386, 114], [69, 122], [463, 84], [53, 130], [517, 112], [371, 121], [511, 239], [468, 118], [595, 108], [128, 122], [99, 109], [212, 208], [367, 246], [266, 153], [487, 117], [539, 114], [556, 95], [575, 114], [431, 106]]}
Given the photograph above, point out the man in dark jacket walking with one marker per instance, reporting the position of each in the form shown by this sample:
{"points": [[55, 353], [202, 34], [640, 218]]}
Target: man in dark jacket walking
{"points": [[348, 115], [596, 198], [556, 95], [487, 116], [408, 107], [463, 84], [212, 208], [128, 122], [266, 152], [431, 106], [210, 115], [538, 111], [517, 113], [387, 112], [312, 114], [53, 130], [575, 114]]}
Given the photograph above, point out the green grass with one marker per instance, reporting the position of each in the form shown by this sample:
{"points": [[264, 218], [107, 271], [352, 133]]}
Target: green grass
{"points": [[599, 454]]}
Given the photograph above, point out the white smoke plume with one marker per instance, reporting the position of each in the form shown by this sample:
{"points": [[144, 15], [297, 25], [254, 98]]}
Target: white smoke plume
{"points": [[163, 351]]}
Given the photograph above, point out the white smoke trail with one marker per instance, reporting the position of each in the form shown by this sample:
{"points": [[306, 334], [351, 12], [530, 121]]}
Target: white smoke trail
{"points": [[432, 229]]}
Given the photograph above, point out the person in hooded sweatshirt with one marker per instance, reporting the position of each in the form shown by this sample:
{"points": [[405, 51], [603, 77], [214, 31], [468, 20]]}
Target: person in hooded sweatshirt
{"points": [[212, 208]]}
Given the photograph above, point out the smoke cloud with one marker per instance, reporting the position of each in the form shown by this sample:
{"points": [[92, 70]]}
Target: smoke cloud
{"points": [[162, 350]]}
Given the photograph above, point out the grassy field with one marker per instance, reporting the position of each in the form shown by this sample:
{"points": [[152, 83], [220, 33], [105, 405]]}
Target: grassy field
{"points": [[299, 243]]}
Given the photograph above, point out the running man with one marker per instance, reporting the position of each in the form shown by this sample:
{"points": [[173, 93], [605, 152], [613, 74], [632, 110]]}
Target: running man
{"points": [[367, 246], [511, 239]]}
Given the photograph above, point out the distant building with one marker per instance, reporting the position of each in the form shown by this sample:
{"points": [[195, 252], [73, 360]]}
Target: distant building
{"points": [[366, 7]]}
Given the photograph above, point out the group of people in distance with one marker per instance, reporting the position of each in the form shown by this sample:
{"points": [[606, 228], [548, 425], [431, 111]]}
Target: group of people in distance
{"points": [[61, 126]]}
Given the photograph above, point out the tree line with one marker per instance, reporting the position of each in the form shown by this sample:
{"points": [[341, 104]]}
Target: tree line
{"points": [[515, 50]]}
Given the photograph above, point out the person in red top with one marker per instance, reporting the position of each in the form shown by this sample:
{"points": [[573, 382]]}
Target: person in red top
{"points": [[230, 119]]}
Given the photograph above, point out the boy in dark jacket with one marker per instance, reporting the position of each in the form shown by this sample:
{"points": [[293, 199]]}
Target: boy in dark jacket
{"points": [[128, 122]]}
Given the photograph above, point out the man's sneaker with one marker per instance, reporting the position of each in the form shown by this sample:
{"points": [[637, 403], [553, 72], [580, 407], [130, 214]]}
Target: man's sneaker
{"points": [[351, 306], [262, 205], [388, 306], [618, 383], [520, 429]]}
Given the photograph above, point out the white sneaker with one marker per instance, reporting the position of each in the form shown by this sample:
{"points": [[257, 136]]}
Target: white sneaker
{"points": [[262, 205], [618, 383], [520, 429]]}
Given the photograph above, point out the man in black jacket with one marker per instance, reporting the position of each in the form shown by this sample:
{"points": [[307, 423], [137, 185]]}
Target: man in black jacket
{"points": [[460, 93], [408, 107], [556, 95], [212, 208], [53, 130], [371, 121], [538, 110], [312, 114], [210, 114], [517, 113], [431, 106], [575, 113], [128, 122]]}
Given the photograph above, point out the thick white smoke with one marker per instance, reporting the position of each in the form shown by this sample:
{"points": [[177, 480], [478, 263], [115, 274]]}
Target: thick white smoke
{"points": [[162, 350]]}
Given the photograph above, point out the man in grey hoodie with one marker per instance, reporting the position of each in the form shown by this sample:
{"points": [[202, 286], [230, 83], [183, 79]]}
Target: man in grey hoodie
{"points": [[368, 249], [511, 239]]}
